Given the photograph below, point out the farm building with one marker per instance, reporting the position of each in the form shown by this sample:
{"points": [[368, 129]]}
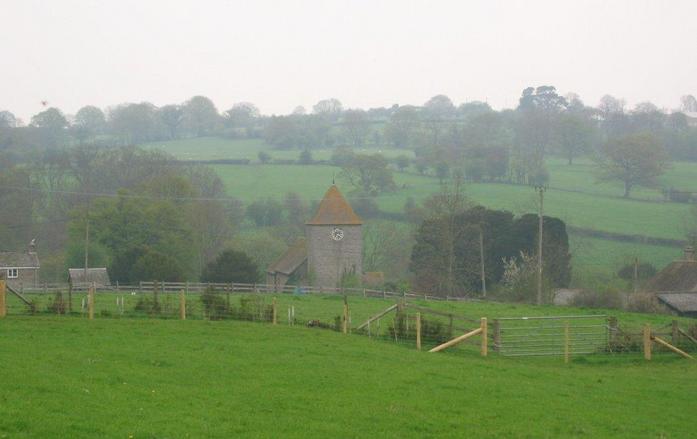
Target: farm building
{"points": [[20, 269], [81, 278], [676, 285], [332, 248]]}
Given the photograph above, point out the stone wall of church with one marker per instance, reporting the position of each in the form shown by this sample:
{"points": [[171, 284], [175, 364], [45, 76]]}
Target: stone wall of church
{"points": [[328, 259]]}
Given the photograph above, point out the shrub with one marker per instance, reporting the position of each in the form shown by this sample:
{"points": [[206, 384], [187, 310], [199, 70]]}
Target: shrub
{"points": [[598, 299], [231, 266], [643, 302], [148, 305], [58, 305], [214, 305]]}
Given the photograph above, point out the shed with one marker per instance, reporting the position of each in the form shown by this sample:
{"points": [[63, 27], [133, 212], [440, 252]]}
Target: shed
{"points": [[98, 276], [684, 304], [292, 263]]}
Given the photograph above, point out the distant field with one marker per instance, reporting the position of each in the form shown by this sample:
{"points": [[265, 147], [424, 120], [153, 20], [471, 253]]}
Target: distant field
{"points": [[69, 377], [216, 148], [574, 195], [664, 220]]}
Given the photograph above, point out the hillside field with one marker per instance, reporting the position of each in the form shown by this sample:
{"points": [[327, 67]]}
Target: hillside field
{"points": [[166, 378], [574, 195]]}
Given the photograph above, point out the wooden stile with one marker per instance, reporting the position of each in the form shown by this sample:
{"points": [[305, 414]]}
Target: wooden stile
{"points": [[3, 298], [647, 342], [456, 340], [671, 347]]}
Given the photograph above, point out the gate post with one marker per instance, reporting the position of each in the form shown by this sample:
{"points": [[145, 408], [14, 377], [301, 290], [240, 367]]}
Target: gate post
{"points": [[647, 342], [485, 340], [566, 342], [3, 300]]}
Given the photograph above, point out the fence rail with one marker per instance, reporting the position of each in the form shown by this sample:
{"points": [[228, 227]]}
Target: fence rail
{"points": [[172, 287]]}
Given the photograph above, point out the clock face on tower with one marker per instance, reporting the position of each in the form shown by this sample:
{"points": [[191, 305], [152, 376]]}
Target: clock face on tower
{"points": [[337, 234]]}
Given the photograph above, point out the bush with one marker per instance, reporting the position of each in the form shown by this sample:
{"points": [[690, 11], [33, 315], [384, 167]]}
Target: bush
{"points": [[58, 305], [231, 266], [598, 299], [644, 302], [148, 305], [214, 305], [305, 157]]}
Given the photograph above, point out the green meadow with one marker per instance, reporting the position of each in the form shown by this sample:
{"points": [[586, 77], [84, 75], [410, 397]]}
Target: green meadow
{"points": [[146, 378], [574, 195]]}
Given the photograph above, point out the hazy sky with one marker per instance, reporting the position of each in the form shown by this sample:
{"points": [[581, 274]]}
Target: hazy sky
{"points": [[365, 53]]}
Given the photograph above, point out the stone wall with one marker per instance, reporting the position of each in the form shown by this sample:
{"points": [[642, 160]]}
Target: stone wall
{"points": [[328, 259]]}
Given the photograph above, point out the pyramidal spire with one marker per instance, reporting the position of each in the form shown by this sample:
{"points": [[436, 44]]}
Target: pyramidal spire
{"points": [[334, 210]]}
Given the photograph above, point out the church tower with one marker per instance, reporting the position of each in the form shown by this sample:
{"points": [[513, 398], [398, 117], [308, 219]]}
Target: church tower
{"points": [[334, 239]]}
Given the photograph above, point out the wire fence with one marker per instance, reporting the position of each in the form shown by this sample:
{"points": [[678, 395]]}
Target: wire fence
{"points": [[409, 320]]}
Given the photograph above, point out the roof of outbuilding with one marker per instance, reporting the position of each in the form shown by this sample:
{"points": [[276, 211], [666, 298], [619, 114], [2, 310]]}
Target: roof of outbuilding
{"points": [[293, 258], [17, 260], [681, 302], [677, 276], [97, 275], [334, 210]]}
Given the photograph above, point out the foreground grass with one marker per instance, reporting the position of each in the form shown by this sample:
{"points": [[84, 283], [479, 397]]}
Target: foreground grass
{"points": [[69, 377]]}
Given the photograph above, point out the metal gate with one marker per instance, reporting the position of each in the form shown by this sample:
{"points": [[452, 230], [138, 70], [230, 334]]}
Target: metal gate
{"points": [[562, 335]]}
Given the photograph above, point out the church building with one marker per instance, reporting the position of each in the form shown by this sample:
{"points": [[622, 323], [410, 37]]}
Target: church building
{"points": [[332, 247]]}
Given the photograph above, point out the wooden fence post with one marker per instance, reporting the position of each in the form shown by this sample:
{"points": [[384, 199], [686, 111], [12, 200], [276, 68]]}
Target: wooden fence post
{"points": [[182, 305], [612, 327], [418, 331], [273, 321], [90, 302], [3, 299], [344, 325], [675, 335], [485, 341], [566, 342], [497, 335], [647, 342]]}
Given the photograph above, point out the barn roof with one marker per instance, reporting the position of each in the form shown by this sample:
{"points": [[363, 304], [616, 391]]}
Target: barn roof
{"points": [[18, 260], [334, 210], [681, 302], [677, 276], [293, 258], [99, 276]]}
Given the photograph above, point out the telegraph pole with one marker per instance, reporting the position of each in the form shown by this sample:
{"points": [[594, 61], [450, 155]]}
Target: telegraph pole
{"points": [[541, 190], [481, 259]]}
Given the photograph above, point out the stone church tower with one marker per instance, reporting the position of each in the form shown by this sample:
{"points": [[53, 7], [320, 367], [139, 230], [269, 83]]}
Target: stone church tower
{"points": [[334, 238]]}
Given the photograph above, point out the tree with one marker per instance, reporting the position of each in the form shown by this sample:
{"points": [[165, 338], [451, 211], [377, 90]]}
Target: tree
{"points": [[231, 266], [368, 173], [89, 121], [688, 103], [403, 127], [171, 116], [305, 157], [134, 123], [402, 162], [154, 265], [610, 105], [439, 107], [264, 157], [52, 123], [200, 115], [635, 160], [355, 123], [328, 108], [242, 116], [575, 135], [7, 120]]}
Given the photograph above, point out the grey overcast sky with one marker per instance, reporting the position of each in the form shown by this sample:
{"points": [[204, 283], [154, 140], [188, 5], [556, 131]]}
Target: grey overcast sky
{"points": [[280, 54]]}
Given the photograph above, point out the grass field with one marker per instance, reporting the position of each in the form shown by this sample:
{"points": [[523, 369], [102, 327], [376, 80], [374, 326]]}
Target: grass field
{"points": [[574, 196], [69, 377]]}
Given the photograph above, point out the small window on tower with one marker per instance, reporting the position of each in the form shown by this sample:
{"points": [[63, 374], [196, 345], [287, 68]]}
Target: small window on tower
{"points": [[12, 273]]}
